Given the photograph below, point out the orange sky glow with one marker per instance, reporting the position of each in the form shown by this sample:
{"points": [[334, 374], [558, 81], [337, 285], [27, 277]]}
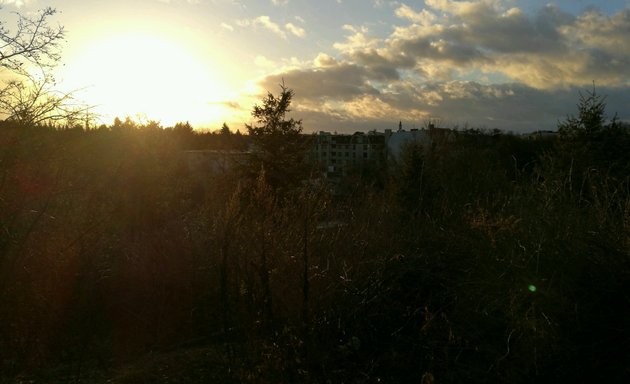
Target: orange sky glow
{"points": [[355, 65], [149, 72]]}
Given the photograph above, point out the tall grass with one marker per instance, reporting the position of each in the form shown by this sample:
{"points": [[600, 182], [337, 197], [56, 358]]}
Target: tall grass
{"points": [[477, 261]]}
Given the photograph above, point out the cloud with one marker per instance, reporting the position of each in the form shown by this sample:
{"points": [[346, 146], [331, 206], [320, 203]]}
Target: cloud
{"points": [[179, 1], [529, 67], [227, 26], [323, 60], [266, 22], [546, 50], [230, 104], [297, 31], [336, 81], [358, 39], [423, 17], [16, 3], [262, 61], [280, 2]]}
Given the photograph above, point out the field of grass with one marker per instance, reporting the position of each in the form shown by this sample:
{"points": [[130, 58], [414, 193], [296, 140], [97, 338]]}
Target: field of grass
{"points": [[490, 258]]}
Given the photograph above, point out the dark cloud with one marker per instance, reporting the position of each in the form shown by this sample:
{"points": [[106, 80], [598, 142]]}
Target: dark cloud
{"points": [[423, 69], [338, 82], [510, 107], [439, 49], [229, 104], [515, 32], [378, 67]]}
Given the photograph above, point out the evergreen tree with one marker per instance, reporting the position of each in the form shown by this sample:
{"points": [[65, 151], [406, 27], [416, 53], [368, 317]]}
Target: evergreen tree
{"points": [[592, 142], [277, 144]]}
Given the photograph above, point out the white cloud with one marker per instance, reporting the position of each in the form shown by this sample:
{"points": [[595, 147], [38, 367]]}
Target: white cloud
{"points": [[297, 31], [262, 61], [357, 40], [16, 3], [462, 8], [423, 17], [227, 26], [266, 22], [323, 60], [178, 1], [280, 2]]}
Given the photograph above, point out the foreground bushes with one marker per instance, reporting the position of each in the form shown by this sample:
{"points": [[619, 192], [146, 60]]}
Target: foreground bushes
{"points": [[485, 266]]}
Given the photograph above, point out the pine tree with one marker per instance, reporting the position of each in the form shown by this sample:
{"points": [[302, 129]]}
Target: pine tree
{"points": [[278, 146], [592, 142]]}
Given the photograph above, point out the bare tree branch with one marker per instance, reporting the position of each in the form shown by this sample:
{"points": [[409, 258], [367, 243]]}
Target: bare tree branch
{"points": [[33, 101], [33, 41]]}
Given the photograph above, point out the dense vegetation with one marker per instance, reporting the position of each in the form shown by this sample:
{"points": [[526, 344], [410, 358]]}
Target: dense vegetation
{"points": [[487, 258]]}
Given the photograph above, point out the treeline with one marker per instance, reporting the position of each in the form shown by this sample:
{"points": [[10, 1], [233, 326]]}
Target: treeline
{"points": [[488, 258], [182, 134]]}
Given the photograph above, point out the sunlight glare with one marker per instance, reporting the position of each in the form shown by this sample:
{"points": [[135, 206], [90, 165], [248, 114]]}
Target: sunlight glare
{"points": [[145, 75]]}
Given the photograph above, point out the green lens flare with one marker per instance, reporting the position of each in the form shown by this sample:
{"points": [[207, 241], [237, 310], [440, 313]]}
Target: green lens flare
{"points": [[532, 288]]}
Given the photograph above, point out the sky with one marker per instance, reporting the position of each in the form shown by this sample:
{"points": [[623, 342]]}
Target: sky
{"points": [[354, 65]]}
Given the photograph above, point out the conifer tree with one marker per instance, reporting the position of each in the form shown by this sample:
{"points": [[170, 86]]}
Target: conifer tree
{"points": [[277, 144]]}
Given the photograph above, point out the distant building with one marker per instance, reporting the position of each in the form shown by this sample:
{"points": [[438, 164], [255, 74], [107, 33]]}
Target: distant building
{"points": [[335, 155], [397, 141], [427, 138], [338, 154]]}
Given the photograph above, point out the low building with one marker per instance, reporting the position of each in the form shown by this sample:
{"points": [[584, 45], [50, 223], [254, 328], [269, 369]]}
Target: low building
{"points": [[427, 138], [397, 141], [338, 154]]}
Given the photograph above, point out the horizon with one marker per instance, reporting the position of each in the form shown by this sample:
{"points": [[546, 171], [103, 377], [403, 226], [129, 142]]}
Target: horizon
{"points": [[513, 65]]}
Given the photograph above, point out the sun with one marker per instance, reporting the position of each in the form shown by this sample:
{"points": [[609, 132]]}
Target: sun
{"points": [[141, 73]]}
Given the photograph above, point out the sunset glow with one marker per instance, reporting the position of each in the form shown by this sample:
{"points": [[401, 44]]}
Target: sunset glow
{"points": [[148, 76], [354, 65], [314, 191]]}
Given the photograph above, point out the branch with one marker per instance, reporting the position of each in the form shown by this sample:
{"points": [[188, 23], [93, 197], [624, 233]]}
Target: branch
{"points": [[33, 41], [32, 101]]}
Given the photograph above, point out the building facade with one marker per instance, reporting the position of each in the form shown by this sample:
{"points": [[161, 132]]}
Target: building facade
{"points": [[338, 155]]}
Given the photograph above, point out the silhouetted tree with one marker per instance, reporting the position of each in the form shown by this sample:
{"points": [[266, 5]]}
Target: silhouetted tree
{"points": [[30, 99], [278, 146], [592, 141], [33, 101], [33, 41], [183, 128], [225, 130]]}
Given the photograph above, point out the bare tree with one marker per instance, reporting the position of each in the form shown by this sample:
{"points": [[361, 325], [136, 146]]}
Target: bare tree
{"points": [[32, 100], [32, 41], [28, 52]]}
